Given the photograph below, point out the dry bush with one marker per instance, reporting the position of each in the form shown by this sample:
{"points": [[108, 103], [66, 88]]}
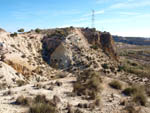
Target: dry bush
{"points": [[40, 99], [38, 105], [20, 82], [140, 99], [116, 84], [42, 108], [131, 90], [38, 86], [9, 92], [135, 68], [3, 86], [138, 94], [21, 100], [88, 83], [43, 105]]}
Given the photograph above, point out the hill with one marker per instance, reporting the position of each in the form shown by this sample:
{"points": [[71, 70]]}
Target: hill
{"points": [[132, 40], [67, 70]]}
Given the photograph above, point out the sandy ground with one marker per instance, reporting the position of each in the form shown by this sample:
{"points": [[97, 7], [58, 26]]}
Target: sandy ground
{"points": [[108, 103]]}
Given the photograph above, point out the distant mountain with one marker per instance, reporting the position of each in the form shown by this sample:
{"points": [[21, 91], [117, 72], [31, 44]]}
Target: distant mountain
{"points": [[132, 40]]}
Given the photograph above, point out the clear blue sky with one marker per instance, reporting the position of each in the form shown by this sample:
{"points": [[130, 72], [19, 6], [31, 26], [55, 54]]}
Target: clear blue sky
{"points": [[119, 17]]}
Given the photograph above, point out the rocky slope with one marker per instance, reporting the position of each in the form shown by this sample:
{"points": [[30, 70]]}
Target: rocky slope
{"points": [[49, 61]]}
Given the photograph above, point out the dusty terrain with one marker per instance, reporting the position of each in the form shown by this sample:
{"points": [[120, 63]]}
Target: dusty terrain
{"points": [[48, 63]]}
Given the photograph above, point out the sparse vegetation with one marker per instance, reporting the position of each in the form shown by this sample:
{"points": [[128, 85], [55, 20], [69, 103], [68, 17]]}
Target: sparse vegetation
{"points": [[138, 94], [115, 84], [88, 84], [137, 70], [60, 33], [43, 105], [38, 105], [139, 63]]}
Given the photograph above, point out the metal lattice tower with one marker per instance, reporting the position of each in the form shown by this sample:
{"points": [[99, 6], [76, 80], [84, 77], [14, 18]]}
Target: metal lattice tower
{"points": [[93, 19]]}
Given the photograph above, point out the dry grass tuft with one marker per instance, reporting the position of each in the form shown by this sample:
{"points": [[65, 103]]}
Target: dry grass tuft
{"points": [[116, 84], [21, 100], [88, 83]]}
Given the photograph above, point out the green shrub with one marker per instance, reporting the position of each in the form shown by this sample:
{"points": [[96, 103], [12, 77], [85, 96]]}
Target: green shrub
{"points": [[120, 68], [21, 30], [105, 66], [37, 30], [115, 84], [14, 34], [71, 27]]}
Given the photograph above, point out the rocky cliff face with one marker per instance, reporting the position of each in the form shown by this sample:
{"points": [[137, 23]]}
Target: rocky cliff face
{"points": [[108, 45], [67, 49], [102, 40]]}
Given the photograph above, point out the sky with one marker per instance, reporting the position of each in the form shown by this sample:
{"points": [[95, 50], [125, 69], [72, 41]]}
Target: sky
{"points": [[119, 17]]}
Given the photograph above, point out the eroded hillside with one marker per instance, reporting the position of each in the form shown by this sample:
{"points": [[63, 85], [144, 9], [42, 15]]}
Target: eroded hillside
{"points": [[76, 69]]}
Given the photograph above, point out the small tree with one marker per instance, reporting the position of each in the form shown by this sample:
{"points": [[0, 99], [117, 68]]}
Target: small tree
{"points": [[21, 30], [37, 30], [14, 34]]}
